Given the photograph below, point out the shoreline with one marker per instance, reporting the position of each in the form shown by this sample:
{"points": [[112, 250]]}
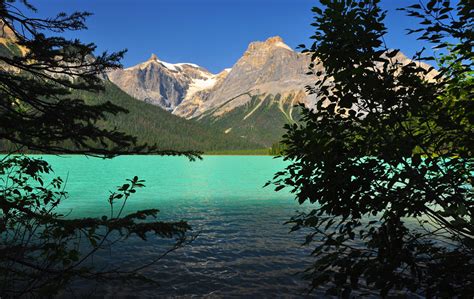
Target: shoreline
{"points": [[205, 154]]}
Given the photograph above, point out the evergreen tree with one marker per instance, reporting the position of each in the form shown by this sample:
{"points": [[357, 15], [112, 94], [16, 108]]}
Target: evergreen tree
{"points": [[40, 74]]}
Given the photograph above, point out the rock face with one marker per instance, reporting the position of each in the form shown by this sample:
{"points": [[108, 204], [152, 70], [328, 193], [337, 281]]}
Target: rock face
{"points": [[8, 41], [252, 100], [188, 90], [269, 67], [161, 83]]}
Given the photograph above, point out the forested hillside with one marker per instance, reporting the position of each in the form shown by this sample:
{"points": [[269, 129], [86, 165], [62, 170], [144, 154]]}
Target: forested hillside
{"points": [[261, 120], [152, 124], [255, 126]]}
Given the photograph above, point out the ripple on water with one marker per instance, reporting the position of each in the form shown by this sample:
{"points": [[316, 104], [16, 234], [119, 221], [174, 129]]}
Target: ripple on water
{"points": [[243, 248], [236, 257]]}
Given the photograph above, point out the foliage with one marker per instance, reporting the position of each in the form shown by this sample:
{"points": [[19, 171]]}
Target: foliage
{"points": [[42, 76], [277, 149], [42, 250], [153, 125], [386, 158]]}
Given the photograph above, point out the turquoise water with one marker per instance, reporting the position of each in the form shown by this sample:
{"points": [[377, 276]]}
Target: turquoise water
{"points": [[243, 247], [172, 183]]}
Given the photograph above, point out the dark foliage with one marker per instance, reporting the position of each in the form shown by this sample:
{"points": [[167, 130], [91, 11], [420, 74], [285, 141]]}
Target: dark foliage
{"points": [[39, 109], [386, 158], [41, 78], [42, 251]]}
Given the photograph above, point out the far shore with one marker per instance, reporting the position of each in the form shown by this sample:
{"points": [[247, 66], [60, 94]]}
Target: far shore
{"points": [[204, 154]]}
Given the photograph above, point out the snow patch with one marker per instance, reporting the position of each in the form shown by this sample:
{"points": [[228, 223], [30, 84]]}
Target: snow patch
{"points": [[200, 84], [190, 64], [206, 75], [169, 66], [283, 45]]}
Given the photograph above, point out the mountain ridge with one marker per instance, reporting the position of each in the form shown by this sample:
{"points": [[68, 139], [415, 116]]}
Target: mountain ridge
{"points": [[261, 69], [148, 123], [253, 100], [243, 107]]}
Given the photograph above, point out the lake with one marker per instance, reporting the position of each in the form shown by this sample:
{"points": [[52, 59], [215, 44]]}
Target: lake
{"points": [[243, 247]]}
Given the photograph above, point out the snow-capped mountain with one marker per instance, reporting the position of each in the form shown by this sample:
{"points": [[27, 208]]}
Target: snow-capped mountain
{"points": [[266, 68], [188, 90], [161, 83], [253, 99]]}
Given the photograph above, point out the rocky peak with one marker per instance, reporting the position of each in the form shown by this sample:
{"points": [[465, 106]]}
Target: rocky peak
{"points": [[267, 67], [274, 40], [271, 54], [269, 45], [163, 83]]}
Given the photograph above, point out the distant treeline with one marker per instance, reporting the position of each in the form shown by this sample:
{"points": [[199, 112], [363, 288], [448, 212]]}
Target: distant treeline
{"points": [[153, 125]]}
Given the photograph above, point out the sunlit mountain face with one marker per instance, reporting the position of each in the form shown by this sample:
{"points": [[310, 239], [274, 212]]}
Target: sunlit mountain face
{"points": [[188, 90], [252, 100]]}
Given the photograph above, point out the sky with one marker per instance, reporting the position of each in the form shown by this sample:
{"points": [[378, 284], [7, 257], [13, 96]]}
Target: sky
{"points": [[210, 33]]}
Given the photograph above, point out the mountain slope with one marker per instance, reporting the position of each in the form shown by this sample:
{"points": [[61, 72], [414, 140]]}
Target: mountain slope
{"points": [[259, 120], [152, 124], [252, 100]]}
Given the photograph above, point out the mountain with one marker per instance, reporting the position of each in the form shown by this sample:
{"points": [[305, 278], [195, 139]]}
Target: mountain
{"points": [[161, 83], [253, 99], [257, 97], [149, 123], [189, 90], [266, 68]]}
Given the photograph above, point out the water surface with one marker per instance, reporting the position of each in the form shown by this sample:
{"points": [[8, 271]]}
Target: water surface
{"points": [[243, 248]]}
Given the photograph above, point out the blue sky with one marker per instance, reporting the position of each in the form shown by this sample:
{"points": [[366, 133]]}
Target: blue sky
{"points": [[211, 33]]}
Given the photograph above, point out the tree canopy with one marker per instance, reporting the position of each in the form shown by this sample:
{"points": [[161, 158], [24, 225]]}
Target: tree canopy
{"points": [[38, 108], [41, 74], [386, 155]]}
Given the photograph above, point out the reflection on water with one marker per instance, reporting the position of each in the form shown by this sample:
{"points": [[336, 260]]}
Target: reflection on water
{"points": [[243, 248]]}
